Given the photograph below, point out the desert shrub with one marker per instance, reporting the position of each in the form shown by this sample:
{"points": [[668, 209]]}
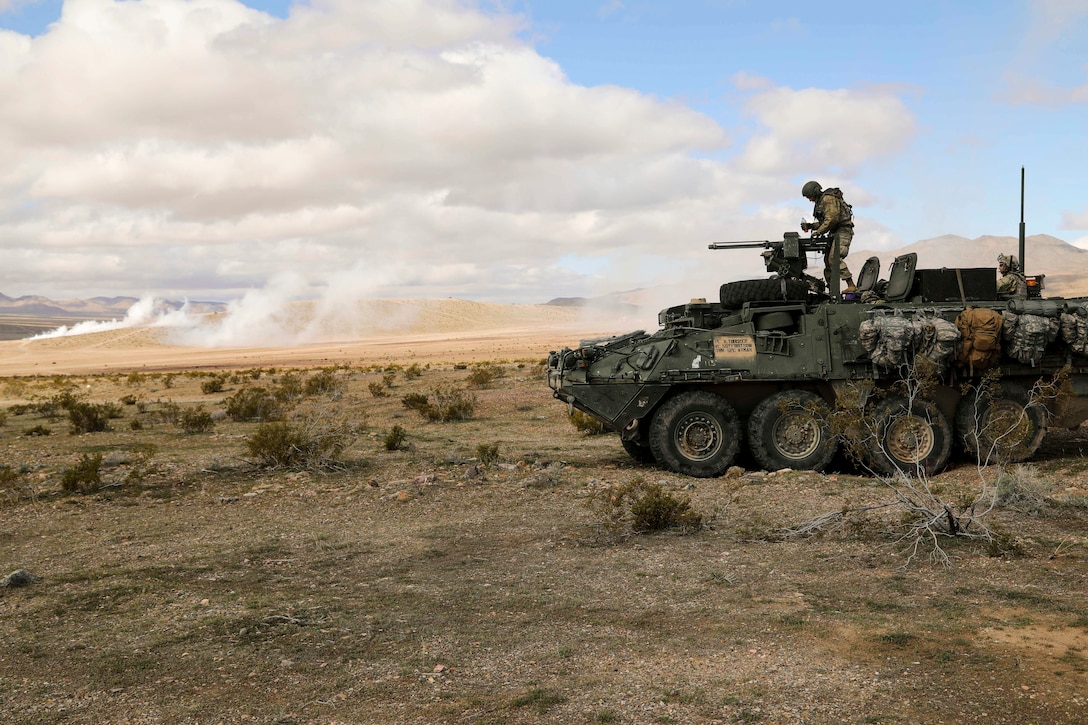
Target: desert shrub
{"points": [[196, 420], [128, 399], [487, 453], [135, 378], [586, 423], [314, 441], [483, 374], [169, 412], [85, 476], [1022, 488], [289, 387], [3, 418], [12, 484], [639, 507], [377, 389], [38, 430], [213, 384], [135, 424], [395, 439], [253, 403], [168, 380], [21, 408], [442, 405], [323, 382], [413, 371], [88, 417], [52, 406]]}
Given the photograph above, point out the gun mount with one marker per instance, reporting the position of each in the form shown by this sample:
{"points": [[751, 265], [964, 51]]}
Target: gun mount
{"points": [[787, 259]]}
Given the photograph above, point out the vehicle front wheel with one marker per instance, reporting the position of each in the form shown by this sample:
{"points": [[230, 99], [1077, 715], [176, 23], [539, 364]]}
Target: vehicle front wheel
{"points": [[695, 433], [790, 430], [911, 436], [639, 452]]}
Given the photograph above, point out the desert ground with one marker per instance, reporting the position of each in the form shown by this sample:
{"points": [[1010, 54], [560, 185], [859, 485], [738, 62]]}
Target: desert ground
{"points": [[484, 567]]}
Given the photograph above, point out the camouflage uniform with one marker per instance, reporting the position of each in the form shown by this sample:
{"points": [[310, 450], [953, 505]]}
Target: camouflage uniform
{"points": [[829, 212], [1012, 283]]}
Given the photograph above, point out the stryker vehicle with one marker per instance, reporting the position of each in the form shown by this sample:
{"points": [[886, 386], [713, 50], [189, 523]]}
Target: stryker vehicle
{"points": [[766, 364]]}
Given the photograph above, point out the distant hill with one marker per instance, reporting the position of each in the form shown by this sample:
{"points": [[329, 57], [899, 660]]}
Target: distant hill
{"points": [[95, 308], [1065, 265]]}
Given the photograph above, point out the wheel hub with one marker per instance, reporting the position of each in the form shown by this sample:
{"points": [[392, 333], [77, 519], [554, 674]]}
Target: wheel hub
{"points": [[910, 439], [796, 436], [698, 437]]}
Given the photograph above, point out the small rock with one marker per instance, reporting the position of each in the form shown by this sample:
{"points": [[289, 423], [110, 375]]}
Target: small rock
{"points": [[19, 578], [473, 471], [424, 480], [734, 472], [403, 496], [440, 668]]}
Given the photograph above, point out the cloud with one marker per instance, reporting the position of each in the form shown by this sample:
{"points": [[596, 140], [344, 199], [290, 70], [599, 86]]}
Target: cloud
{"points": [[816, 128], [1073, 220], [397, 148], [1031, 78]]}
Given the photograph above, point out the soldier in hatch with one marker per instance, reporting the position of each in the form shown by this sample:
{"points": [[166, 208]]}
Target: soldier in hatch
{"points": [[835, 217], [1012, 283]]}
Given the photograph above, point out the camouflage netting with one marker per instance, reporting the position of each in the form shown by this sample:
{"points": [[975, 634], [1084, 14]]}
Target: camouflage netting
{"points": [[893, 340], [1026, 336]]}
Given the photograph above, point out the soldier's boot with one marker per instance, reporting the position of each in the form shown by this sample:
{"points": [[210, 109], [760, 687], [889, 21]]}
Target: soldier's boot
{"points": [[850, 288]]}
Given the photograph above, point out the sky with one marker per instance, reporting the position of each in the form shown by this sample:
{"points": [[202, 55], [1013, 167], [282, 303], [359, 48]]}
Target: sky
{"points": [[515, 151]]}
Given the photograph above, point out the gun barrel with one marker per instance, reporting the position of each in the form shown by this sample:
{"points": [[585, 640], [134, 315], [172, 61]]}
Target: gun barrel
{"points": [[739, 245]]}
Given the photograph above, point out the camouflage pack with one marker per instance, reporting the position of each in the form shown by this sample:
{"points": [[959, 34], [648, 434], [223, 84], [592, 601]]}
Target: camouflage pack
{"points": [[889, 340], [1026, 336], [1073, 327], [980, 338]]}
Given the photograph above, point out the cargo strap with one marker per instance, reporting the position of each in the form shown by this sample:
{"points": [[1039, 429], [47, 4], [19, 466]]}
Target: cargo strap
{"points": [[963, 295]]}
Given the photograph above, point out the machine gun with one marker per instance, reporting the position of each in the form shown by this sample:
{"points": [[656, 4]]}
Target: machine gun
{"points": [[788, 258]]}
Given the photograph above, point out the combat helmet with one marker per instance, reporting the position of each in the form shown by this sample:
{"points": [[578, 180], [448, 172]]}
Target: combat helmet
{"points": [[811, 189], [1009, 260]]}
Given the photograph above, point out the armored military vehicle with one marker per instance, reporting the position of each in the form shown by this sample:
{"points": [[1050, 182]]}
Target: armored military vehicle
{"points": [[763, 367]]}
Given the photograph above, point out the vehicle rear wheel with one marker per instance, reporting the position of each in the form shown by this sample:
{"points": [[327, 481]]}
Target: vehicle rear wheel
{"points": [[639, 451], [1002, 426], [790, 430], [695, 433], [735, 294], [911, 436]]}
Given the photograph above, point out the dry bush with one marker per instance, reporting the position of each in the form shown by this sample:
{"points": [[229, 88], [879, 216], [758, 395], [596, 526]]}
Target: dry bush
{"points": [[85, 476], [90, 417], [638, 507], [1021, 488], [413, 371], [377, 389], [395, 439], [253, 403], [444, 404], [487, 453], [315, 440], [484, 374], [213, 384], [324, 382], [586, 423], [196, 420]]}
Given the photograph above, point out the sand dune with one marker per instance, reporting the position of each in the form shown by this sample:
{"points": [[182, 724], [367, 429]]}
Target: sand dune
{"points": [[377, 331]]}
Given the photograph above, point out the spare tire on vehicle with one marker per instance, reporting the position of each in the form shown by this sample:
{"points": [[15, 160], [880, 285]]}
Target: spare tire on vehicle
{"points": [[735, 294]]}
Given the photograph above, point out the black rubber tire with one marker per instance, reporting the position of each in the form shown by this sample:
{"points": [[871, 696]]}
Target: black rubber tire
{"points": [[1003, 426], [735, 294], [912, 437], [695, 433], [790, 430], [638, 451]]}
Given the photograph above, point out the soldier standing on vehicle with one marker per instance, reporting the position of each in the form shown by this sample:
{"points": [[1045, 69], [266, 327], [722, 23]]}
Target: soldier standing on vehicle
{"points": [[1012, 284], [835, 217]]}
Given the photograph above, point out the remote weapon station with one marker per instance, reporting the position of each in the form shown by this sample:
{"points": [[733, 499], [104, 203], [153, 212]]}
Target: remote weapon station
{"points": [[930, 359]]}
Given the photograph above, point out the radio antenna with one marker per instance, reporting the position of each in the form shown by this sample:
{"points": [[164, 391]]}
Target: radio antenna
{"points": [[1023, 262]]}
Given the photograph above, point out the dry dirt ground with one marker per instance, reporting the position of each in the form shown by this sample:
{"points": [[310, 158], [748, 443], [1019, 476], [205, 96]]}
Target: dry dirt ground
{"points": [[471, 576]]}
